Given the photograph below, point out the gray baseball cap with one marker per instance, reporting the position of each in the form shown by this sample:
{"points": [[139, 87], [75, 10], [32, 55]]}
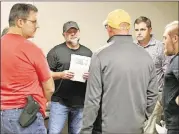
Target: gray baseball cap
{"points": [[70, 24]]}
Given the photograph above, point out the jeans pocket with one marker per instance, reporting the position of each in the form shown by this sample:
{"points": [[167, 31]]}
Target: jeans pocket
{"points": [[13, 125]]}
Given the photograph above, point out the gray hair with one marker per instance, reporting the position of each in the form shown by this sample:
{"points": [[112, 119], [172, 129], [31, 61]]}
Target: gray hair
{"points": [[20, 11]]}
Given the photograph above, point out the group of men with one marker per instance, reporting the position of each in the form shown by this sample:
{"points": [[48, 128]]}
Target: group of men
{"points": [[123, 84]]}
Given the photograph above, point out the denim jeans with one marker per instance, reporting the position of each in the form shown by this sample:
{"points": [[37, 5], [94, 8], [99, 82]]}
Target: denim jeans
{"points": [[58, 116], [10, 124]]}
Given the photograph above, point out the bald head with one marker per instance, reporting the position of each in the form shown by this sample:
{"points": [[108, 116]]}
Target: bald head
{"points": [[171, 38], [172, 28]]}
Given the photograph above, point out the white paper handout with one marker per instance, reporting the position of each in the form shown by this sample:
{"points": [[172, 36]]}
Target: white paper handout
{"points": [[79, 65], [161, 130]]}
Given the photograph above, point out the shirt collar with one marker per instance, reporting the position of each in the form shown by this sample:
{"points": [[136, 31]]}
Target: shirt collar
{"points": [[152, 42], [120, 37]]}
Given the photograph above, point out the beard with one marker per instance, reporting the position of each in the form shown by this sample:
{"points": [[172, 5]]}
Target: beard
{"points": [[169, 49], [74, 42]]}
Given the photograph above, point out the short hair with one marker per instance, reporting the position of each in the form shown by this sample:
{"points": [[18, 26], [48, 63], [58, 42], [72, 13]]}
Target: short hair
{"points": [[5, 30], [144, 19], [20, 11], [173, 28]]}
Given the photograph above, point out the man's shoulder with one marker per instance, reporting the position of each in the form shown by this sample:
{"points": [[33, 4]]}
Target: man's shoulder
{"points": [[61, 45], [57, 48], [30, 46], [157, 42], [103, 48], [86, 48], [175, 60]]}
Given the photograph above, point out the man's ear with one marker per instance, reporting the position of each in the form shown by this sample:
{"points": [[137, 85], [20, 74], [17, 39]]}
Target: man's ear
{"points": [[175, 38], [150, 30], [19, 23]]}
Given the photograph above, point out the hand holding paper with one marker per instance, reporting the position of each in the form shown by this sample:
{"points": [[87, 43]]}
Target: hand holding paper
{"points": [[80, 66], [67, 74], [85, 75]]}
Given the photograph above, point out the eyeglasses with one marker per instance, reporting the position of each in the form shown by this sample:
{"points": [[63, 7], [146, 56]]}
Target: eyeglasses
{"points": [[106, 26], [33, 21]]}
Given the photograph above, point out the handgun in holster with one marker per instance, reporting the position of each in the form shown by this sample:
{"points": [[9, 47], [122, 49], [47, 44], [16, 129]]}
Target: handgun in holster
{"points": [[29, 113]]}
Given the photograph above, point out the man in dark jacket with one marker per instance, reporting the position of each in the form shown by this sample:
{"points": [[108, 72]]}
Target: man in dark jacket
{"points": [[171, 81]]}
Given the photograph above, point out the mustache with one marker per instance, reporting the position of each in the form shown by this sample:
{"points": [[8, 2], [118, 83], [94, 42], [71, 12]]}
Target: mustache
{"points": [[77, 39]]}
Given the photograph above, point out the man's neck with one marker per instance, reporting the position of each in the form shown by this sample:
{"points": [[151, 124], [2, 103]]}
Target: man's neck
{"points": [[71, 46], [15, 30], [126, 32]]}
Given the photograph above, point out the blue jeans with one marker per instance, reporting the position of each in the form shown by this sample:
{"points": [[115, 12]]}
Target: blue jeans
{"points": [[58, 116], [10, 124]]}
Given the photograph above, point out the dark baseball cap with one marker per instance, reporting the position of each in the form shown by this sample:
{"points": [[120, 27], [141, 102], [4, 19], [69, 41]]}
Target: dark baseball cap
{"points": [[70, 24]]}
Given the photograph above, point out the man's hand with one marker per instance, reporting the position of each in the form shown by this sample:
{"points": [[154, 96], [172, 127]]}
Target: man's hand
{"points": [[66, 74], [86, 75], [177, 100], [48, 103]]}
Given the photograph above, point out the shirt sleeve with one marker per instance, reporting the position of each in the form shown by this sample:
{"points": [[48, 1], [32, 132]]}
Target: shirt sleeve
{"points": [[52, 60], [93, 96], [152, 91], [38, 60], [41, 66]]}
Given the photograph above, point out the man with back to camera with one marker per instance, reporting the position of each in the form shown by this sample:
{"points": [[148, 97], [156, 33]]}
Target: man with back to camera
{"points": [[122, 87], [23, 74], [68, 99]]}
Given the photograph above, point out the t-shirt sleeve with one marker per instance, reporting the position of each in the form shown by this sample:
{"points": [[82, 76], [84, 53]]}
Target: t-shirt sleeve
{"points": [[52, 59], [38, 60], [42, 67]]}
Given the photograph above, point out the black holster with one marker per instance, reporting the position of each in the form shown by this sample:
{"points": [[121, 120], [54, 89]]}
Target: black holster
{"points": [[29, 113]]}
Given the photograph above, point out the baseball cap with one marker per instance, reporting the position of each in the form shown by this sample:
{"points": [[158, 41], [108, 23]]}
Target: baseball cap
{"points": [[70, 24], [116, 17]]}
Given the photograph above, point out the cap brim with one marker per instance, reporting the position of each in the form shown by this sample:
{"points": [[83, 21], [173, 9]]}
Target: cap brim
{"points": [[71, 27]]}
